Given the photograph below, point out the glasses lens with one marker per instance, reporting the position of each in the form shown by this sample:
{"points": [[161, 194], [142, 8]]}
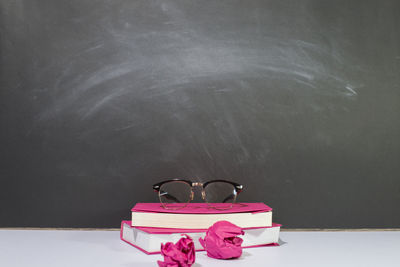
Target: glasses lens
{"points": [[220, 192], [175, 194]]}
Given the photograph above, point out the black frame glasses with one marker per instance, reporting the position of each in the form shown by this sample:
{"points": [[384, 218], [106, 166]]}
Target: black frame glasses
{"points": [[162, 194]]}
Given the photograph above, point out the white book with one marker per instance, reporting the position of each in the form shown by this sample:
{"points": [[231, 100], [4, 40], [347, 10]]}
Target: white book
{"points": [[149, 239]]}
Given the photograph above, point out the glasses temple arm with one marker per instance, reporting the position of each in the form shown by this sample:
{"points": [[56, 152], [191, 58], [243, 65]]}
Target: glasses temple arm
{"points": [[168, 196], [231, 196]]}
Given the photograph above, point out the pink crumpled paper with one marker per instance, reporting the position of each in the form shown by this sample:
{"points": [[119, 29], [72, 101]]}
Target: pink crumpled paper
{"points": [[181, 254], [222, 241]]}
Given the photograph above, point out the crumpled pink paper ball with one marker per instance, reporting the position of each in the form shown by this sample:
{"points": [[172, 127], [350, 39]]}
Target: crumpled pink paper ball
{"points": [[222, 241], [181, 254]]}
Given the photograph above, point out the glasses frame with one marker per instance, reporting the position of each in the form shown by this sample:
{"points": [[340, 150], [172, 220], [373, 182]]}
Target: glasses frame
{"points": [[238, 188]]}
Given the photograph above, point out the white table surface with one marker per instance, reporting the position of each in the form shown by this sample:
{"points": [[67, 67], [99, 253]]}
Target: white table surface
{"points": [[104, 248]]}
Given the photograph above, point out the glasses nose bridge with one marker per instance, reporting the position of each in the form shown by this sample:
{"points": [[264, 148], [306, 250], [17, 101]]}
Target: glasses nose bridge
{"points": [[203, 194], [197, 184]]}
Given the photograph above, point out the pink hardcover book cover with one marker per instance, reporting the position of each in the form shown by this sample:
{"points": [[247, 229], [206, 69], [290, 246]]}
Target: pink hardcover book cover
{"points": [[202, 208], [153, 230]]}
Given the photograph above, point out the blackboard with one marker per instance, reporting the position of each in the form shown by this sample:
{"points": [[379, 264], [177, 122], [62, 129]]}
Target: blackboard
{"points": [[297, 100]]}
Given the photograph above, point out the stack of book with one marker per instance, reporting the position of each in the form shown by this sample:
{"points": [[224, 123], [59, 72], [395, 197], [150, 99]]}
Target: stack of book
{"points": [[152, 225]]}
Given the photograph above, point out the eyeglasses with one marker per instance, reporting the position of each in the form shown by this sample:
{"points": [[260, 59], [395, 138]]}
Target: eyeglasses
{"points": [[177, 193]]}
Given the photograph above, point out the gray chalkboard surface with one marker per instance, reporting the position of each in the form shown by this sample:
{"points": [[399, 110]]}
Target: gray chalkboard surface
{"points": [[297, 100]]}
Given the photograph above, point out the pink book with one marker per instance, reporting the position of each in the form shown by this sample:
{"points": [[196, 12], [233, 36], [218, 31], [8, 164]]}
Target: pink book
{"points": [[149, 239], [200, 215], [203, 208]]}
